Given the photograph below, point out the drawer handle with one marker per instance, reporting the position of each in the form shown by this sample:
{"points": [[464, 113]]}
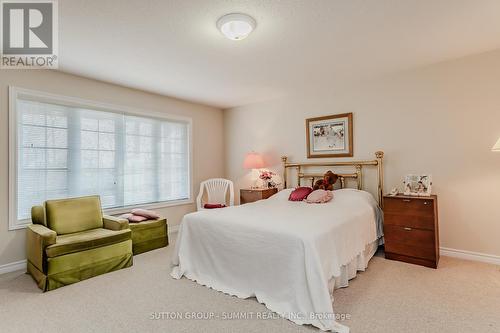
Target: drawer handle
{"points": [[426, 202], [406, 200], [407, 229]]}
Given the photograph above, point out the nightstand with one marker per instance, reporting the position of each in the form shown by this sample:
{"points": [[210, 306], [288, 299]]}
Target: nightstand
{"points": [[411, 230], [251, 195]]}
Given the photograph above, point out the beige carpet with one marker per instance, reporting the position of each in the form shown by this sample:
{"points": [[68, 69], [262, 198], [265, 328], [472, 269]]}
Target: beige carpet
{"points": [[460, 296]]}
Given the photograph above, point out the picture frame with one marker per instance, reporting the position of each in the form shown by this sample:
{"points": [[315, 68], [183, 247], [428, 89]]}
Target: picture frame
{"points": [[418, 185], [330, 136]]}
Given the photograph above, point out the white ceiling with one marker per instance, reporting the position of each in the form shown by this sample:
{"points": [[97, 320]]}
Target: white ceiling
{"points": [[172, 47]]}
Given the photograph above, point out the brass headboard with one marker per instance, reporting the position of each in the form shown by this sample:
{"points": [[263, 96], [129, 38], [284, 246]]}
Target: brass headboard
{"points": [[357, 175]]}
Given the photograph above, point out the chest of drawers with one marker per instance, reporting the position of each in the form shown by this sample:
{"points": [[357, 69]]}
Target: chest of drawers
{"points": [[411, 230], [252, 195]]}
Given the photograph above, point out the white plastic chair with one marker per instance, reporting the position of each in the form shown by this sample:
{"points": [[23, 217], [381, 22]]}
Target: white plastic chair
{"points": [[216, 192]]}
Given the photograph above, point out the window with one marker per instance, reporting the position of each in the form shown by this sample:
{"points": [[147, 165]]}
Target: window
{"points": [[62, 147]]}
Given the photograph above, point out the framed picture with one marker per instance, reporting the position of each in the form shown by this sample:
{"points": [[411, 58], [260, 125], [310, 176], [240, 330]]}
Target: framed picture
{"points": [[329, 136], [418, 185]]}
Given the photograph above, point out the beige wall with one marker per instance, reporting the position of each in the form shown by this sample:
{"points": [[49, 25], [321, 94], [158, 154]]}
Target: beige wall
{"points": [[208, 143], [442, 120]]}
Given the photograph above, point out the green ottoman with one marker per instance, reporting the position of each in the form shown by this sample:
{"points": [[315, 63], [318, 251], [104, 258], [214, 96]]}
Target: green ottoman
{"points": [[149, 235]]}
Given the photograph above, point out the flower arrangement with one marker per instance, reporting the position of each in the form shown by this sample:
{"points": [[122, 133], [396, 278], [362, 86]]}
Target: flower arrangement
{"points": [[267, 177]]}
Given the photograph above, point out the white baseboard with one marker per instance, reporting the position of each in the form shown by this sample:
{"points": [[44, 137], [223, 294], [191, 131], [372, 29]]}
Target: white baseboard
{"points": [[13, 266], [469, 255]]}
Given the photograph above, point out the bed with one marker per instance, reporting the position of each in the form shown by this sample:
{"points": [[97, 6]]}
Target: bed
{"points": [[290, 256]]}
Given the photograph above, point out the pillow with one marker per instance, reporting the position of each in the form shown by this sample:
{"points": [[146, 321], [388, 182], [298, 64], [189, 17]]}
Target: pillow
{"points": [[300, 193], [148, 214], [133, 218], [213, 206], [319, 196]]}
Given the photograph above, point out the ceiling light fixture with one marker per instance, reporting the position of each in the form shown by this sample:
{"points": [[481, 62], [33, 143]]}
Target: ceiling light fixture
{"points": [[236, 26]]}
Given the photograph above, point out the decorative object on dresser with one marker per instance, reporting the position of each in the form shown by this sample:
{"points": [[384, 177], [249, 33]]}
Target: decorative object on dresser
{"points": [[330, 136], [418, 185], [253, 161], [256, 194], [269, 179], [393, 192], [411, 230]]}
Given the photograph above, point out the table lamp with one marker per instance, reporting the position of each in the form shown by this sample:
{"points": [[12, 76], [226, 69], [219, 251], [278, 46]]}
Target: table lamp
{"points": [[496, 147], [253, 161]]}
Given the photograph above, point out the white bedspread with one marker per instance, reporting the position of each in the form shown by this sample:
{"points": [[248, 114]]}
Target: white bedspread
{"points": [[282, 252]]}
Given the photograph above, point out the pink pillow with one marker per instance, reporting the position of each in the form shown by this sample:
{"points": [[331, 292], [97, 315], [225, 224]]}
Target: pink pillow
{"points": [[133, 218], [148, 214], [213, 206], [300, 193], [319, 196]]}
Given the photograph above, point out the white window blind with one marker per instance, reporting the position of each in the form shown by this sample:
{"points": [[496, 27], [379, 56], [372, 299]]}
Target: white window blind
{"points": [[67, 151]]}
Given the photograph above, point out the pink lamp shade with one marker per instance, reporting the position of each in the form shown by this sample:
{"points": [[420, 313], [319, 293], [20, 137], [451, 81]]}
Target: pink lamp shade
{"points": [[253, 160]]}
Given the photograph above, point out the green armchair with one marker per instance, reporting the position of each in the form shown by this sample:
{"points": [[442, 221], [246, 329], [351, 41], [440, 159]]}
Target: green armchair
{"points": [[70, 241]]}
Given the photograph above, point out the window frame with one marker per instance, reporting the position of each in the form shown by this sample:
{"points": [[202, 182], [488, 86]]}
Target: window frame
{"points": [[16, 92]]}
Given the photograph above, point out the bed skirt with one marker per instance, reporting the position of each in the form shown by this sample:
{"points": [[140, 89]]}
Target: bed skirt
{"points": [[350, 270]]}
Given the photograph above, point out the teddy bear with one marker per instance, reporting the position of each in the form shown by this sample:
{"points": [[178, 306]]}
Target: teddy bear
{"points": [[329, 179]]}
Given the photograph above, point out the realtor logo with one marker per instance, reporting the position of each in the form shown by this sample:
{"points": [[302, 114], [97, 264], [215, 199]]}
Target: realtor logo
{"points": [[29, 34]]}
